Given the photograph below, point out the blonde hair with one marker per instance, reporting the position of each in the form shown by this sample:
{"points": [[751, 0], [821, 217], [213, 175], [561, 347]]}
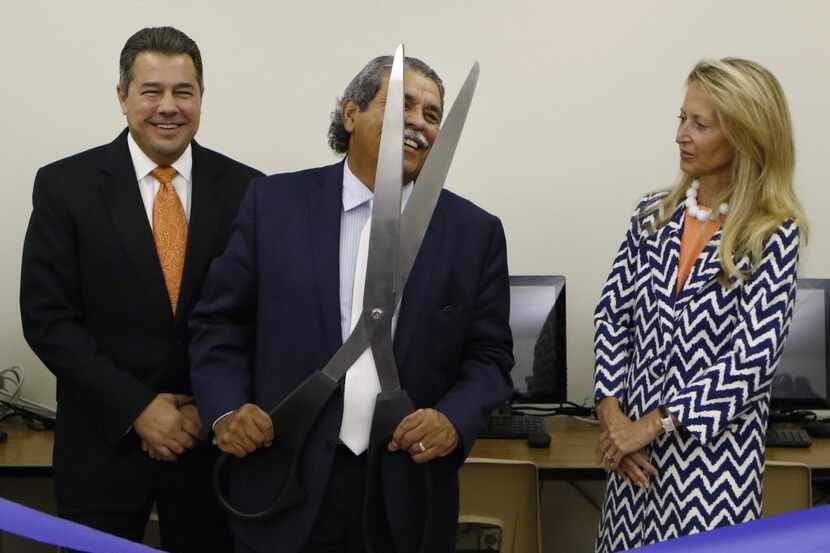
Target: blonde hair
{"points": [[755, 119]]}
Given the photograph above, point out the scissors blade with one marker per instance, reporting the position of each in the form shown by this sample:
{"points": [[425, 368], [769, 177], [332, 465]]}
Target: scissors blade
{"points": [[381, 264], [352, 348], [421, 204]]}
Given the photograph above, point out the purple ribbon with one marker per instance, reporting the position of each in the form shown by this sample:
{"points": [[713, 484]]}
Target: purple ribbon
{"points": [[806, 531], [32, 524]]}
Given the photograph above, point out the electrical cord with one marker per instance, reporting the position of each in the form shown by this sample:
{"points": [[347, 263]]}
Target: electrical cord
{"points": [[566, 408], [793, 416], [33, 421], [11, 383], [12, 404], [13, 378]]}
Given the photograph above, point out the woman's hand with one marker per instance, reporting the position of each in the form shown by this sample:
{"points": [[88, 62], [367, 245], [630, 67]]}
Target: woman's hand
{"points": [[636, 468], [608, 410], [634, 465], [621, 436]]}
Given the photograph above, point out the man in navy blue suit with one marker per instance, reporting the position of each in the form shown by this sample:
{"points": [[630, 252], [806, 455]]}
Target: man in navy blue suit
{"points": [[279, 302]]}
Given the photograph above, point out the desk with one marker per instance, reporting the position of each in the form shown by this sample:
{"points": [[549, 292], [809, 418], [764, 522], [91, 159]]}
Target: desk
{"points": [[26, 452], [572, 453], [573, 446], [25, 477], [571, 458]]}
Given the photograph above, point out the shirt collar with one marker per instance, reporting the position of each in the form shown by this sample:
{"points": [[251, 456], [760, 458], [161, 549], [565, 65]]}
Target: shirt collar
{"points": [[143, 165], [355, 193]]}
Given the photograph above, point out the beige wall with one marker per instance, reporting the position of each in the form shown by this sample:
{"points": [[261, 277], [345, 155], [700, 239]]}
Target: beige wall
{"points": [[574, 117]]}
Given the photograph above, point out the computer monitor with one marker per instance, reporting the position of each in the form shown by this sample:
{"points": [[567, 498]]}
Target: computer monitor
{"points": [[802, 379], [537, 319]]}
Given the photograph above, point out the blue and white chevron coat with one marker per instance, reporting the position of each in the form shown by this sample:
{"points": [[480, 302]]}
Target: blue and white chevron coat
{"points": [[708, 355]]}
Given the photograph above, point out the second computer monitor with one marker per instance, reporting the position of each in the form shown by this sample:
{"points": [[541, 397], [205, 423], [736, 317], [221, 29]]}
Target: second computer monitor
{"points": [[802, 378], [537, 319]]}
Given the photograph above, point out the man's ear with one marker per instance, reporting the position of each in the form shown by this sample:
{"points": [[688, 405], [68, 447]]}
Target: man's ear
{"points": [[122, 99], [350, 109]]}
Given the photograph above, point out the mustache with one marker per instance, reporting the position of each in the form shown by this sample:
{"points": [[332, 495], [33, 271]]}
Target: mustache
{"points": [[417, 136]]}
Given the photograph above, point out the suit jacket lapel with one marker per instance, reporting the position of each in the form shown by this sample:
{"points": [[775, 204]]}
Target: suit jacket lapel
{"points": [[325, 209], [205, 203], [419, 285], [119, 188]]}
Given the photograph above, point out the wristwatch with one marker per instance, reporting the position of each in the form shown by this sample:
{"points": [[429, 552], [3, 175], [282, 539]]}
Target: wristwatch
{"points": [[666, 420]]}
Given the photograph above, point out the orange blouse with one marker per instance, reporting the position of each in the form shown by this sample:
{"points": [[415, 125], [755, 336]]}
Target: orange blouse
{"points": [[696, 234]]}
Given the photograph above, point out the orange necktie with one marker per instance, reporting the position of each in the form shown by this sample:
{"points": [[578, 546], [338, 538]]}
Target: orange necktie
{"points": [[169, 232]]}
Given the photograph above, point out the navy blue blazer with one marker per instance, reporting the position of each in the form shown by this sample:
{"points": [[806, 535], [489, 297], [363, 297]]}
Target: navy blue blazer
{"points": [[270, 315]]}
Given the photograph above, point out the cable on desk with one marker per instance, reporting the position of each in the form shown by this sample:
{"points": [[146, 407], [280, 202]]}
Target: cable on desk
{"points": [[566, 408], [36, 416], [11, 383], [33, 421], [792, 416]]}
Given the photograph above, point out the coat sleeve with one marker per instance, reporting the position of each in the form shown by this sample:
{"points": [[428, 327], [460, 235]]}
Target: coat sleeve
{"points": [[52, 314], [741, 377], [614, 316], [222, 323], [484, 380]]}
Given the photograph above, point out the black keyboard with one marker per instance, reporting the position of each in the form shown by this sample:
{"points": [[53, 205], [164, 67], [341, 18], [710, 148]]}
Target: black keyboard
{"points": [[787, 437], [514, 426]]}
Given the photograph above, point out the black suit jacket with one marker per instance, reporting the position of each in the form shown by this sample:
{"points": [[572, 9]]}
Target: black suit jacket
{"points": [[270, 316], [93, 301]]}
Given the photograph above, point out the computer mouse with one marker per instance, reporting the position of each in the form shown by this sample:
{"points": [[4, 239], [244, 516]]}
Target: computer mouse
{"points": [[818, 429], [538, 439]]}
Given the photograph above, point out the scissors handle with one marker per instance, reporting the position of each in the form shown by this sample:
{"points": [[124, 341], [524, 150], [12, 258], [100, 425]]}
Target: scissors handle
{"points": [[390, 474], [293, 419]]}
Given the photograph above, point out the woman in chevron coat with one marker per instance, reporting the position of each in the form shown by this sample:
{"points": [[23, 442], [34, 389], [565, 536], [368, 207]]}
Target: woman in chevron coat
{"points": [[693, 317]]}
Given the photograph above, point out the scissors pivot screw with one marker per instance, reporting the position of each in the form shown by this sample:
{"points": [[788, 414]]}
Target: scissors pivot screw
{"points": [[376, 314]]}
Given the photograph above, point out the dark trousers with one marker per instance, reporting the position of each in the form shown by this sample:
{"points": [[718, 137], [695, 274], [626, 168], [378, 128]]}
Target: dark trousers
{"points": [[190, 519], [339, 524]]}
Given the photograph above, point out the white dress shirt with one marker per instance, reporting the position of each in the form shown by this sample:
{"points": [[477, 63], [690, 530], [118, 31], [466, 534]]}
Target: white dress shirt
{"points": [[357, 208], [148, 185]]}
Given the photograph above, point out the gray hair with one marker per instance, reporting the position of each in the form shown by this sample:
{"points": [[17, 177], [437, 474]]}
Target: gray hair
{"points": [[165, 40], [362, 90]]}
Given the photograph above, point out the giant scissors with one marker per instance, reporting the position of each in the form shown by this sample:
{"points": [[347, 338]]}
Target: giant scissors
{"points": [[394, 243]]}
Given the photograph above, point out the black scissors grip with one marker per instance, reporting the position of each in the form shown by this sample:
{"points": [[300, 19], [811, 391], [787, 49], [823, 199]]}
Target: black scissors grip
{"points": [[393, 469], [293, 419]]}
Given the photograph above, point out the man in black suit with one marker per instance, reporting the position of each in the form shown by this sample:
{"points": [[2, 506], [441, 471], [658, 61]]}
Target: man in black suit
{"points": [[117, 247]]}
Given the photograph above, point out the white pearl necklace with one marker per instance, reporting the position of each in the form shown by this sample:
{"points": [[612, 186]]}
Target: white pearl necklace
{"points": [[700, 213]]}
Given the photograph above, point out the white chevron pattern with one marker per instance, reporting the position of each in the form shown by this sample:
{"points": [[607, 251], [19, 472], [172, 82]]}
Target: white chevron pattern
{"points": [[709, 355]]}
